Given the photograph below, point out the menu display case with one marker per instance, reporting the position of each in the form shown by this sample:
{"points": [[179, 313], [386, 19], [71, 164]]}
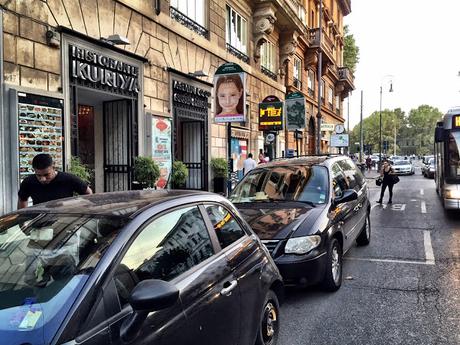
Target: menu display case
{"points": [[40, 130]]}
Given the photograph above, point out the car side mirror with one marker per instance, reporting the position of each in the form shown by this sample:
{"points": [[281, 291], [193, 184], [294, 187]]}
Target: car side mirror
{"points": [[147, 296], [439, 134], [348, 195]]}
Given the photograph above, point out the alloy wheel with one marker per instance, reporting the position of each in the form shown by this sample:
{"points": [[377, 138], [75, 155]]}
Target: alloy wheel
{"points": [[335, 264], [269, 323]]}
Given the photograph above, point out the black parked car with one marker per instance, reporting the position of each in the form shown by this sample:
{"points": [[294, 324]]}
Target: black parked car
{"points": [[308, 212], [143, 267]]}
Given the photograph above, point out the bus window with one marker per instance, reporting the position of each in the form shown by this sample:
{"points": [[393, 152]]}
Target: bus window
{"points": [[453, 155]]}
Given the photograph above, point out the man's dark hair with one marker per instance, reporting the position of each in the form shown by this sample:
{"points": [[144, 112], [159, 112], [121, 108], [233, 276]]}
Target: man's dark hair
{"points": [[250, 155], [42, 161]]}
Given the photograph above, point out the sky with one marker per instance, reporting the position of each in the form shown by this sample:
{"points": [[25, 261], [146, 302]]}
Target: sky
{"points": [[415, 44]]}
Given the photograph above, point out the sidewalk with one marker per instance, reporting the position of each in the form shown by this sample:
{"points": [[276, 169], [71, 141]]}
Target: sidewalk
{"points": [[371, 174]]}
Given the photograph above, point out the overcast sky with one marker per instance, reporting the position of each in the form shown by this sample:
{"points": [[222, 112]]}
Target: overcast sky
{"points": [[414, 43]]}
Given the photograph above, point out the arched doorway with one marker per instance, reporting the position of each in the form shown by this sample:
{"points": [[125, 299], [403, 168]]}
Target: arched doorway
{"points": [[311, 137]]}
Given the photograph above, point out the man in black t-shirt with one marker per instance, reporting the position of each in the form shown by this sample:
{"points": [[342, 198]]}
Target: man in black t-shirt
{"points": [[48, 184]]}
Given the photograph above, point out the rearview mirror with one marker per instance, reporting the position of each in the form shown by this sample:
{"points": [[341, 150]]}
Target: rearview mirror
{"points": [[439, 134], [348, 195], [147, 296]]}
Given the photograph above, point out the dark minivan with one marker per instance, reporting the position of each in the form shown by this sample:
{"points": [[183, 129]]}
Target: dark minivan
{"points": [[308, 211], [140, 267]]}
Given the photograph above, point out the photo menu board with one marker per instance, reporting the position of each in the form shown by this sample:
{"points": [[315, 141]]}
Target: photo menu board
{"points": [[40, 130]]}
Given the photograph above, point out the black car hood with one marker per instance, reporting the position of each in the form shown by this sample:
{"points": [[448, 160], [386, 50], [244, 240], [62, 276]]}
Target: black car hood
{"points": [[275, 220]]}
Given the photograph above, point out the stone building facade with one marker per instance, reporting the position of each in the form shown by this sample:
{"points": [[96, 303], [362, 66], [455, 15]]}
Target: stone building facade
{"points": [[64, 64]]}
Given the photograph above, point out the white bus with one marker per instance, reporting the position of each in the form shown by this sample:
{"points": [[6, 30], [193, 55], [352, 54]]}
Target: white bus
{"points": [[446, 147]]}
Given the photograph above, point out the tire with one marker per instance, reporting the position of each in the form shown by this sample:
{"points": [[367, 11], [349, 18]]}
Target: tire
{"points": [[333, 276], [269, 327], [364, 236]]}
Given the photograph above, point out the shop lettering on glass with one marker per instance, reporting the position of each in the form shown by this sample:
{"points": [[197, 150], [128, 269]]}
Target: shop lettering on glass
{"points": [[271, 116], [189, 95], [98, 71]]}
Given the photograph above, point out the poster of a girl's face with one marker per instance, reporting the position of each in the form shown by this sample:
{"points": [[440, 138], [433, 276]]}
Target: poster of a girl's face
{"points": [[229, 95]]}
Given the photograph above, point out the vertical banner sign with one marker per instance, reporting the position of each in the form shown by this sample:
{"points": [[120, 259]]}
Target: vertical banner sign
{"points": [[271, 114], [161, 150], [230, 94], [295, 111]]}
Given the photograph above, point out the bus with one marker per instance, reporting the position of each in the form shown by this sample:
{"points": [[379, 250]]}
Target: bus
{"points": [[446, 154]]}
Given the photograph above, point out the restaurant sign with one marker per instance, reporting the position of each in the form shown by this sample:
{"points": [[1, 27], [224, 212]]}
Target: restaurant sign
{"points": [[98, 71]]}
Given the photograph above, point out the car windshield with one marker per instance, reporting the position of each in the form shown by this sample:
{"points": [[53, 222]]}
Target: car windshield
{"points": [[283, 183], [45, 259], [431, 161], [402, 163]]}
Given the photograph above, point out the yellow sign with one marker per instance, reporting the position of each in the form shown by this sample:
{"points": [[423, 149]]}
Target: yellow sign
{"points": [[457, 121]]}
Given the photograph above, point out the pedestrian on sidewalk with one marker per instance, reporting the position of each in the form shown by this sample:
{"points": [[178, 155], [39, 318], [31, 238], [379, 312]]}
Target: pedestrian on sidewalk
{"points": [[261, 156], [386, 174], [369, 163], [249, 164], [48, 184]]}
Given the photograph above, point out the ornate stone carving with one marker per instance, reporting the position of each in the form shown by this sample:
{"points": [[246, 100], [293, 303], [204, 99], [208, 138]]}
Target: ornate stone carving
{"points": [[264, 24], [288, 47]]}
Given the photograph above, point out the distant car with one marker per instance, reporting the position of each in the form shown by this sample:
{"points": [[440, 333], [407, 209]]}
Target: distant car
{"points": [[140, 267], [309, 212], [429, 169], [403, 167], [375, 159]]}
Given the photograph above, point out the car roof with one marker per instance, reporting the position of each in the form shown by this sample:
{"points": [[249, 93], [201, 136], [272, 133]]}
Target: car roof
{"points": [[301, 160], [124, 204]]}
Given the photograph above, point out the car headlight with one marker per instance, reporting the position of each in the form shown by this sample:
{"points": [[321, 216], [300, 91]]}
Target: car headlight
{"points": [[431, 169], [302, 245], [453, 194]]}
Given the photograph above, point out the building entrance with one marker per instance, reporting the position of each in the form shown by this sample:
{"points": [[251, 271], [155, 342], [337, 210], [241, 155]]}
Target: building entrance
{"points": [[103, 137]]}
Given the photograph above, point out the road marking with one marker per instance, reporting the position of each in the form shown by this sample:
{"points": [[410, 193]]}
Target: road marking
{"points": [[423, 207], [398, 207], [412, 262], [429, 255], [422, 192]]}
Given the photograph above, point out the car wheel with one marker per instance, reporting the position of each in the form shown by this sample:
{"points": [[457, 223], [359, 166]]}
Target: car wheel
{"points": [[364, 236], [269, 322], [333, 276]]}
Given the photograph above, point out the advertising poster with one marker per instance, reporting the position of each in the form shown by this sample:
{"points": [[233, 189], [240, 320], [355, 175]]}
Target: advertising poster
{"points": [[295, 111], [339, 140], [40, 125], [161, 150], [229, 94], [271, 114]]}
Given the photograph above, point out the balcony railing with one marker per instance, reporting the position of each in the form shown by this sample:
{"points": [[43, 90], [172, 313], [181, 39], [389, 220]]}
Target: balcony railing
{"points": [[327, 43], [240, 55], [268, 73], [345, 75], [297, 83], [188, 22], [311, 93], [299, 10]]}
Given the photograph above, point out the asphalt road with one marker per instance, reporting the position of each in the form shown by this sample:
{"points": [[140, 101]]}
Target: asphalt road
{"points": [[404, 288]]}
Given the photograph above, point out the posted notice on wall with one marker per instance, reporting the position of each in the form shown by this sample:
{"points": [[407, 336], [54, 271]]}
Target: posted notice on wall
{"points": [[161, 150]]}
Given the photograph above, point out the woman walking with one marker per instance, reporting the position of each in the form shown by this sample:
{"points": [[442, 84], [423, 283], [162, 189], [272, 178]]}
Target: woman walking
{"points": [[386, 174]]}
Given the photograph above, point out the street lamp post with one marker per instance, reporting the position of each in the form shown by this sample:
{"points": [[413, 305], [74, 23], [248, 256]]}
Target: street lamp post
{"points": [[380, 121]]}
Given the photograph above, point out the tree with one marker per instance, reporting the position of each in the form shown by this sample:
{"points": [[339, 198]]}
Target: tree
{"points": [[350, 51], [421, 123]]}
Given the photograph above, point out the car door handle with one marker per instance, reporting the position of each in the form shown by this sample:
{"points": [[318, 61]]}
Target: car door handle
{"points": [[227, 291]]}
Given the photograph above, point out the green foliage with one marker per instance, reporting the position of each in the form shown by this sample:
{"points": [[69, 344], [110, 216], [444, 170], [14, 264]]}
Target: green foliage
{"points": [[417, 127], [350, 51], [219, 167], [79, 169], [146, 171], [179, 173]]}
